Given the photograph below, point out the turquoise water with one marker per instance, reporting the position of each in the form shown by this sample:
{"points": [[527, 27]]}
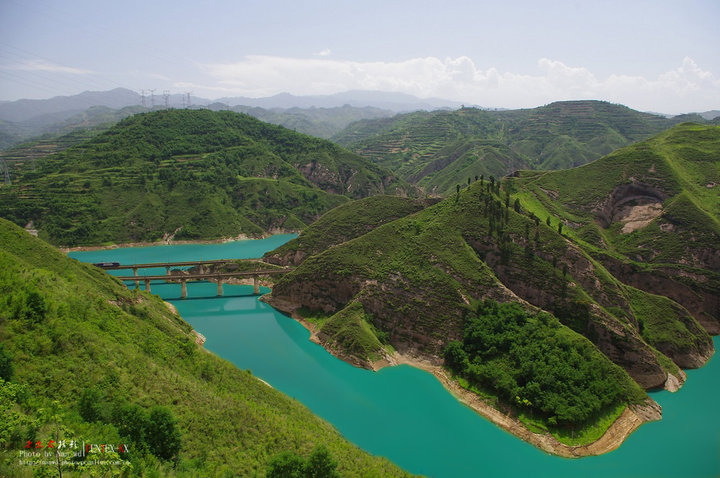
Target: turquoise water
{"points": [[404, 413]]}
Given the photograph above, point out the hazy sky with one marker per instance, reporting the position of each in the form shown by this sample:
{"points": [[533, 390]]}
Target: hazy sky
{"points": [[653, 55]]}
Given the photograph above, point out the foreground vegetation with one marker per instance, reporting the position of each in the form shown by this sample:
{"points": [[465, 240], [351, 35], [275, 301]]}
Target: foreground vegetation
{"points": [[84, 359]]}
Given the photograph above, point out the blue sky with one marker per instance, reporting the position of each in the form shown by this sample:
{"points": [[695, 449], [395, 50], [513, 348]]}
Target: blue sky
{"points": [[650, 55]]}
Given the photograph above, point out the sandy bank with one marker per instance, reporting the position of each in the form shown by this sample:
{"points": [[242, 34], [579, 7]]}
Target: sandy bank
{"points": [[172, 242], [624, 425]]}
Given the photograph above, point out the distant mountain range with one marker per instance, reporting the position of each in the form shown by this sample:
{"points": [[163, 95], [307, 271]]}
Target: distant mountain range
{"points": [[438, 150], [65, 106], [322, 116], [319, 115]]}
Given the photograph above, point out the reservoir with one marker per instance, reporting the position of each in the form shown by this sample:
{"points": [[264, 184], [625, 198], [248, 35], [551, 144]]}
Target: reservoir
{"points": [[404, 413]]}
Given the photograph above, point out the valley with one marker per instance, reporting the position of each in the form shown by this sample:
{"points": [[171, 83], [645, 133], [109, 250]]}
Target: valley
{"points": [[552, 268]]}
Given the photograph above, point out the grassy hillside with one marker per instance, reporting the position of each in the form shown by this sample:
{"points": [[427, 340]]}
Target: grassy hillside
{"points": [[441, 149], [192, 173], [82, 358], [344, 223], [425, 281], [412, 283]]}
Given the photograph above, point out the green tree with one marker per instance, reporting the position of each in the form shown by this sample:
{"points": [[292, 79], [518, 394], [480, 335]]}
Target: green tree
{"points": [[321, 464], [131, 421], [35, 307], [6, 364], [455, 357], [90, 404], [163, 438], [286, 465], [560, 227]]}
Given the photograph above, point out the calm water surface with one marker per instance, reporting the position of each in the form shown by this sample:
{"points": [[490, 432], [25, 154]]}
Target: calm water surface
{"points": [[404, 413]]}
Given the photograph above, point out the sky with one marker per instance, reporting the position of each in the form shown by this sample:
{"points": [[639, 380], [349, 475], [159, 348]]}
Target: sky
{"points": [[651, 55]]}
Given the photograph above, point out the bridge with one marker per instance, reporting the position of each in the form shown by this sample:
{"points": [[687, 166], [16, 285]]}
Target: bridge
{"points": [[185, 277]]}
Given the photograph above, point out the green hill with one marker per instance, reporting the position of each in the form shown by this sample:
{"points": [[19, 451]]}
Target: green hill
{"points": [[344, 223], [440, 284], [188, 173], [84, 359], [441, 149]]}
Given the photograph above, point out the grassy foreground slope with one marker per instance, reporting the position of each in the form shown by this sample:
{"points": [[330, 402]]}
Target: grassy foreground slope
{"points": [[438, 150], [194, 174], [83, 358]]}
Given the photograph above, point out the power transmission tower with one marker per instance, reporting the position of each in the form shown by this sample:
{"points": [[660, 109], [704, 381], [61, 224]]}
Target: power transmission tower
{"points": [[183, 101], [166, 97], [152, 98], [7, 173], [188, 98], [142, 93]]}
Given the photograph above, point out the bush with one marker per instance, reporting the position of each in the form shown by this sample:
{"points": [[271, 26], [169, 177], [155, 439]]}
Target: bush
{"points": [[6, 364], [163, 438], [286, 465], [90, 405]]}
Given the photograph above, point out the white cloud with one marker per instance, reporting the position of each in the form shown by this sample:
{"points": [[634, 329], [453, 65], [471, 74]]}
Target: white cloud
{"points": [[686, 88], [324, 52], [40, 65]]}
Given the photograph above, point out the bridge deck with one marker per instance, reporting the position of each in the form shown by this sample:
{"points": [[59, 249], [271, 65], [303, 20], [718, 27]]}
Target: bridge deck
{"points": [[217, 275], [171, 264]]}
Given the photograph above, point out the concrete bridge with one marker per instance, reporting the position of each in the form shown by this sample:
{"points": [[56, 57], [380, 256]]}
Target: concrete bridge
{"points": [[111, 266], [199, 276]]}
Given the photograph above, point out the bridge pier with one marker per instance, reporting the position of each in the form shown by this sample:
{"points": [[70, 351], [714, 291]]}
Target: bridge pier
{"points": [[147, 285], [135, 271], [137, 284], [184, 289], [167, 270], [220, 282], [256, 285]]}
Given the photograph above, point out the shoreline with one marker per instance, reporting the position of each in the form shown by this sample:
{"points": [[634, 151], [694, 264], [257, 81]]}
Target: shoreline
{"points": [[171, 242], [629, 421]]}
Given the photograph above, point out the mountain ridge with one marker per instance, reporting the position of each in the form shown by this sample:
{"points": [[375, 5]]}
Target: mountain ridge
{"points": [[438, 150]]}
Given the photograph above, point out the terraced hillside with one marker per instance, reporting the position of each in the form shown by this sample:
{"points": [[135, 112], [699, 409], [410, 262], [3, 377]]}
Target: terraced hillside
{"points": [[188, 173], [438, 284], [441, 149]]}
